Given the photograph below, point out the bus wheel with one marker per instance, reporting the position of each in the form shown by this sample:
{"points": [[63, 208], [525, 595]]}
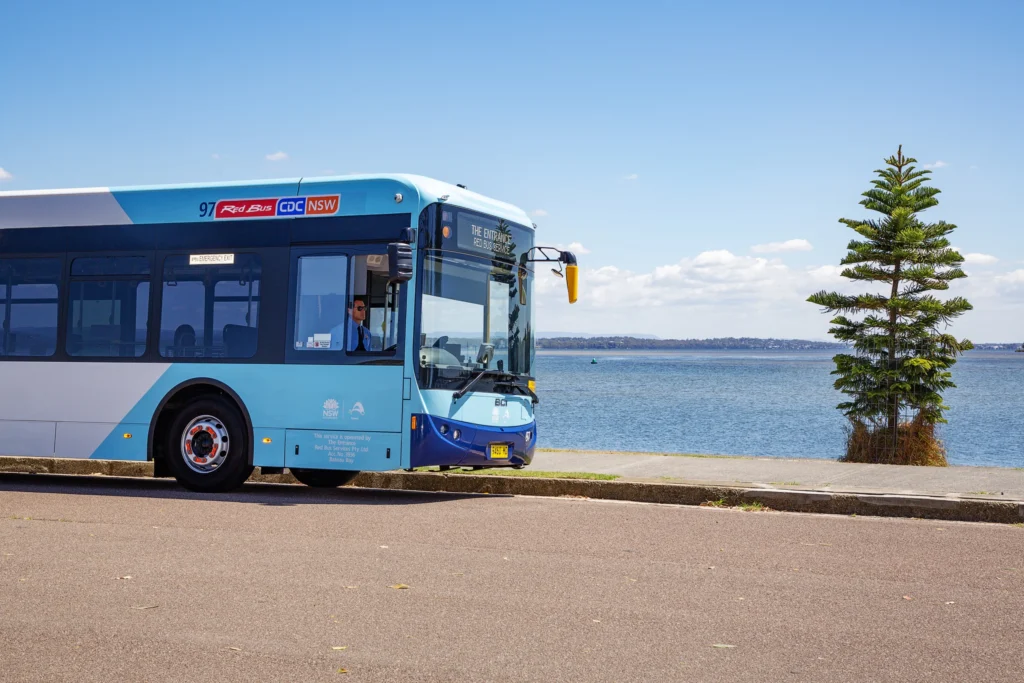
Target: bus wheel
{"points": [[207, 446], [324, 479]]}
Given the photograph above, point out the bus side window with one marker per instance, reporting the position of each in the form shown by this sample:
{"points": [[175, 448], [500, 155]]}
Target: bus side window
{"points": [[108, 306], [370, 287], [210, 309], [320, 303], [28, 306]]}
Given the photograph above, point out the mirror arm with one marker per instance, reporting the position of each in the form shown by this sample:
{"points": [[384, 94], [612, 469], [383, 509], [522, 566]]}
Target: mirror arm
{"points": [[543, 256], [563, 257]]}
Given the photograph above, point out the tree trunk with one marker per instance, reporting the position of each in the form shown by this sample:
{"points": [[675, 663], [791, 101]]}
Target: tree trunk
{"points": [[893, 417]]}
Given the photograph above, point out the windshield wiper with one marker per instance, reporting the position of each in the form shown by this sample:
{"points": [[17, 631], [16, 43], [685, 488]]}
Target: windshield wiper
{"points": [[502, 379], [476, 378], [524, 388]]}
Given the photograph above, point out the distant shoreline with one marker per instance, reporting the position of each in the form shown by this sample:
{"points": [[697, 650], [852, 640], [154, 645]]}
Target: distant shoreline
{"points": [[645, 344], [620, 344], [604, 353]]}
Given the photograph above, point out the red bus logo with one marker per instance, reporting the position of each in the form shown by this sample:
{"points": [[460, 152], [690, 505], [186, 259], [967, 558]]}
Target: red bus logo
{"points": [[245, 208]]}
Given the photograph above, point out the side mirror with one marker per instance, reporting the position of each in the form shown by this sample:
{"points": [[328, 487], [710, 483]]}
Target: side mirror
{"points": [[399, 262], [552, 255], [572, 274], [485, 354]]}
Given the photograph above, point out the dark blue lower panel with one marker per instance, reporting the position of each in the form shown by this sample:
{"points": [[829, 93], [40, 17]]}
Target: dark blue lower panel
{"points": [[431, 447]]}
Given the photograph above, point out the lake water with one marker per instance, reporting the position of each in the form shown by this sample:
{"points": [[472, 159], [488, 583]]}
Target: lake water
{"points": [[755, 403]]}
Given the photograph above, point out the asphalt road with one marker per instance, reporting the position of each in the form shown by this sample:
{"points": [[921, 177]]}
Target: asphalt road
{"points": [[267, 584]]}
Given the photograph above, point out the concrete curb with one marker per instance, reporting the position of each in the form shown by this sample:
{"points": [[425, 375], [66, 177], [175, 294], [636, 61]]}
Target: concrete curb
{"points": [[826, 502]]}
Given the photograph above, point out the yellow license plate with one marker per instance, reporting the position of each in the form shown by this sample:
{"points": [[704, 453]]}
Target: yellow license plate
{"points": [[499, 451]]}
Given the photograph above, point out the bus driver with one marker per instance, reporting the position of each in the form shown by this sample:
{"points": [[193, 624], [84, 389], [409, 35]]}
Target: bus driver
{"points": [[358, 336]]}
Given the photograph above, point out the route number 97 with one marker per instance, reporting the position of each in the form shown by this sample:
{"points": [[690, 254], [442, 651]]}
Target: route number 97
{"points": [[206, 209]]}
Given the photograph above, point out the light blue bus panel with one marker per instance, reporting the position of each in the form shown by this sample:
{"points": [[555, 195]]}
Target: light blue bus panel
{"points": [[320, 449], [352, 397]]}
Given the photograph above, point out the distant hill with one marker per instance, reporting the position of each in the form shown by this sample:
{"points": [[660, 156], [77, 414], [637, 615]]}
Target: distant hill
{"points": [[627, 343], [596, 343], [587, 335]]}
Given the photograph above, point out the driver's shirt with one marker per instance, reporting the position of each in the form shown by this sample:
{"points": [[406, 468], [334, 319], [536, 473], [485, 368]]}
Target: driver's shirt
{"points": [[358, 336]]}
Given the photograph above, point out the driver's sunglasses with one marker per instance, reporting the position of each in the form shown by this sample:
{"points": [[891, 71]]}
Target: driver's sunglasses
{"points": [[359, 308]]}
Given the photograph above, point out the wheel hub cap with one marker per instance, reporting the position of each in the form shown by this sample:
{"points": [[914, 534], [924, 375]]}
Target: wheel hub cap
{"points": [[205, 444]]}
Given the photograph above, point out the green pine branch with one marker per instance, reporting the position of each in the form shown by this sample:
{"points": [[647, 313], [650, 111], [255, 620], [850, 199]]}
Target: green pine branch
{"points": [[901, 352]]}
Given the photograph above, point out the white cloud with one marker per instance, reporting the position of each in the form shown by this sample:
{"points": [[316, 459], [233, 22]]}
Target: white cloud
{"points": [[980, 259], [719, 294], [937, 164], [709, 277], [827, 275], [277, 156], [576, 248], [215, 156], [777, 247], [631, 176], [5, 175], [1013, 278], [715, 293], [538, 213]]}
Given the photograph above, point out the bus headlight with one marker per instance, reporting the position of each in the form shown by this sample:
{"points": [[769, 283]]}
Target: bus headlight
{"points": [[456, 434], [529, 436]]}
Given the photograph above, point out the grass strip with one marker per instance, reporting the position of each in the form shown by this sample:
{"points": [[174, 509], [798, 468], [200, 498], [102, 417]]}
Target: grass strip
{"points": [[673, 455], [538, 474]]}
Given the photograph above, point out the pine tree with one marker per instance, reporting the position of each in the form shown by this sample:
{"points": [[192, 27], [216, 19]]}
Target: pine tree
{"points": [[901, 359]]}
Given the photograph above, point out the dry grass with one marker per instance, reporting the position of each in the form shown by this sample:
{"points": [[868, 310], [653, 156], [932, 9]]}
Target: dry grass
{"points": [[916, 444], [753, 506]]}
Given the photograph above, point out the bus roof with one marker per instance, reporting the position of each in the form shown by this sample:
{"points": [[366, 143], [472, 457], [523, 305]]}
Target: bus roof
{"points": [[350, 195]]}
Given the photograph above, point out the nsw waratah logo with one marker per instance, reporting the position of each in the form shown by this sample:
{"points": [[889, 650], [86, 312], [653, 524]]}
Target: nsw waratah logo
{"points": [[330, 409]]}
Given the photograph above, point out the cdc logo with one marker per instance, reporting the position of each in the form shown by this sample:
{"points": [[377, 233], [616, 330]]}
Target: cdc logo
{"points": [[295, 206]]}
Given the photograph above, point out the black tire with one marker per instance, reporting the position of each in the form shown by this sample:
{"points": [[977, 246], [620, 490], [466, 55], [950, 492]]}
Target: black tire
{"points": [[226, 428], [324, 479]]}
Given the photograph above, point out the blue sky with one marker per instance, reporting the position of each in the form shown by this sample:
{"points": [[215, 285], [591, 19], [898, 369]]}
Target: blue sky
{"points": [[668, 139]]}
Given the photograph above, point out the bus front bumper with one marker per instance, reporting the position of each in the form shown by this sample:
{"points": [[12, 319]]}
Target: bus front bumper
{"points": [[434, 443]]}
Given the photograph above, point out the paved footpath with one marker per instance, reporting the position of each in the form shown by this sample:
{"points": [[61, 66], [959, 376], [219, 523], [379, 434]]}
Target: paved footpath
{"points": [[1001, 483]]}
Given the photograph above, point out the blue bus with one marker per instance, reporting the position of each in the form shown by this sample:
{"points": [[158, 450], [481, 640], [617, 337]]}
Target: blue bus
{"points": [[327, 326]]}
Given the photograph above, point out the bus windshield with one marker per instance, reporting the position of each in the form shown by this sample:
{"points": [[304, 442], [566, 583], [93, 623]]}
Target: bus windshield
{"points": [[476, 315]]}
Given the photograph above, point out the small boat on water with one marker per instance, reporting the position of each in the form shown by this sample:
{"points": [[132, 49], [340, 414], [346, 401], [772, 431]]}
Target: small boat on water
{"points": [[593, 361]]}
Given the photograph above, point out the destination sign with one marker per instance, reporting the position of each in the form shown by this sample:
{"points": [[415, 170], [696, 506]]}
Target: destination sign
{"points": [[482, 235]]}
